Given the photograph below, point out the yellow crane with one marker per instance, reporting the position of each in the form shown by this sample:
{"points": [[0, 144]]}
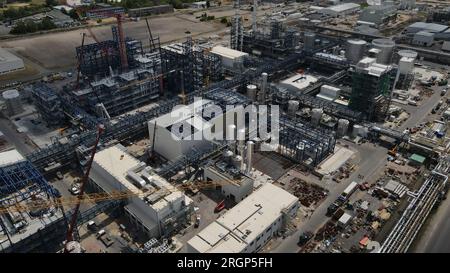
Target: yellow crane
{"points": [[36, 203]]}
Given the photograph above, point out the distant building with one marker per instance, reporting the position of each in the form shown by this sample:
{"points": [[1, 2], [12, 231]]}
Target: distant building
{"points": [[248, 226], [422, 26], [146, 11], [9, 62], [377, 15], [340, 9], [371, 88], [198, 5], [58, 18], [423, 38]]}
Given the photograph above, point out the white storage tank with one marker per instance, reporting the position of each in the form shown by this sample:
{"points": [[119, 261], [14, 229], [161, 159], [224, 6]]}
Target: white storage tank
{"points": [[354, 51], [406, 65], [309, 41], [293, 106], [263, 91], [316, 114], [251, 92], [12, 101], [386, 47], [407, 53], [359, 130], [342, 127]]}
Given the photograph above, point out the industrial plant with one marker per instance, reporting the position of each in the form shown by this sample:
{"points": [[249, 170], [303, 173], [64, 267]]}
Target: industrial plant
{"points": [[239, 127]]}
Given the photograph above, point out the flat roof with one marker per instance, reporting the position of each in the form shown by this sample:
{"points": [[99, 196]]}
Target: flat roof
{"points": [[117, 162], [240, 226], [228, 52], [10, 157], [300, 81], [425, 33], [418, 158], [6, 56], [343, 7], [431, 27]]}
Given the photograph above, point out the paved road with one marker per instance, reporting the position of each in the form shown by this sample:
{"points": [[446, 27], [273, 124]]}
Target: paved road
{"points": [[434, 237], [373, 159], [15, 138], [419, 113]]}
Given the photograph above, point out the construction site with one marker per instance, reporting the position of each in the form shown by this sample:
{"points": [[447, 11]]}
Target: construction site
{"points": [[314, 140]]}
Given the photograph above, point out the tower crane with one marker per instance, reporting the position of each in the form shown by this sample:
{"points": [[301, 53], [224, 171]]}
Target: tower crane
{"points": [[37, 204]]}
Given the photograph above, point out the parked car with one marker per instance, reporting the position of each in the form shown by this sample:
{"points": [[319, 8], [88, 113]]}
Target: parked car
{"points": [[304, 238], [197, 221], [75, 189]]}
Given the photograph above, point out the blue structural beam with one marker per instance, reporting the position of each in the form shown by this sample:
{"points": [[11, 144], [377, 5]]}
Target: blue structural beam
{"points": [[22, 180]]}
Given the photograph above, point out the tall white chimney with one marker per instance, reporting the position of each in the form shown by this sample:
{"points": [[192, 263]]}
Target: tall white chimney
{"points": [[250, 145]]}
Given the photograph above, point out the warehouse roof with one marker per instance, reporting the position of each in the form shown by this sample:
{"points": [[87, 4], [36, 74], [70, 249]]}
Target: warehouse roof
{"points": [[10, 157], [240, 226], [430, 27], [425, 33], [228, 52], [6, 56], [343, 7]]}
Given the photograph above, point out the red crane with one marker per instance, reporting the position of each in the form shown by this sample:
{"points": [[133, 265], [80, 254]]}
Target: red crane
{"points": [[118, 14], [73, 221], [80, 61]]}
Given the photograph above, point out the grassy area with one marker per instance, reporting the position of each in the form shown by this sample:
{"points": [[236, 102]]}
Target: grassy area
{"points": [[28, 71]]}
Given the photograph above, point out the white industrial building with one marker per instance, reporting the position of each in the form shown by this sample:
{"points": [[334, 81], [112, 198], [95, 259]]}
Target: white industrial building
{"points": [[423, 38], [9, 62], [187, 123], [157, 207], [231, 59], [328, 92], [234, 184], [298, 82], [429, 27], [377, 15], [340, 9], [248, 226]]}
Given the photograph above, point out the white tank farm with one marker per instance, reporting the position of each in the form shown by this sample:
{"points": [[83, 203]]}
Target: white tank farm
{"points": [[316, 114], [251, 92], [293, 106], [355, 49], [386, 47], [12, 101], [342, 127]]}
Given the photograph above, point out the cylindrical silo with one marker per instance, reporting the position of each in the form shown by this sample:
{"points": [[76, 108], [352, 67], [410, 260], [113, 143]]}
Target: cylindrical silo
{"points": [[386, 47], [407, 53], [12, 101], [357, 130], [316, 114], [251, 92], [237, 161], [293, 106], [354, 51], [309, 41], [228, 157], [342, 127], [262, 92], [241, 141], [249, 156]]}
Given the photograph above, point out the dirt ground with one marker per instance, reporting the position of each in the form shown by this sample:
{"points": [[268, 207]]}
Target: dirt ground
{"points": [[57, 50]]}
